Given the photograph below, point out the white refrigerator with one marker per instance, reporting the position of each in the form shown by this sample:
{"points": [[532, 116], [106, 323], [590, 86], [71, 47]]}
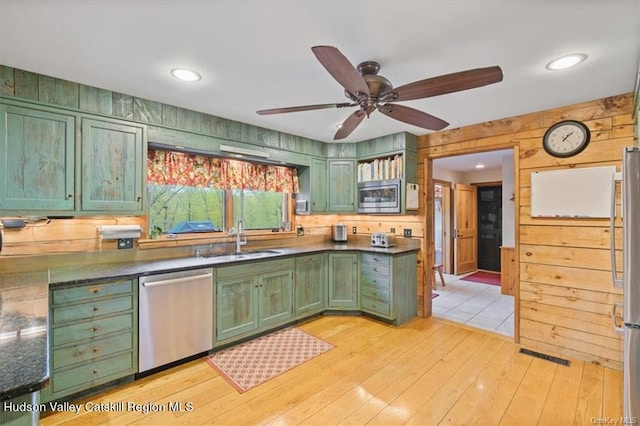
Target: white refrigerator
{"points": [[630, 280]]}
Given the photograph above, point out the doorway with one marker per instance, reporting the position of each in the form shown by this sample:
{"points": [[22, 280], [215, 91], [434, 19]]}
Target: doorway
{"points": [[489, 227]]}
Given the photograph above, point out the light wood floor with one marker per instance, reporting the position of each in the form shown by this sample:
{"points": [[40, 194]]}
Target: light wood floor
{"points": [[426, 372]]}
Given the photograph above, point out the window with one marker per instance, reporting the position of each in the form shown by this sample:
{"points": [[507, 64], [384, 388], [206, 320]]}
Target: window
{"points": [[196, 193]]}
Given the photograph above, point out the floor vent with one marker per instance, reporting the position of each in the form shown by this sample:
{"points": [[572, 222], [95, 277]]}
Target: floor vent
{"points": [[560, 361]]}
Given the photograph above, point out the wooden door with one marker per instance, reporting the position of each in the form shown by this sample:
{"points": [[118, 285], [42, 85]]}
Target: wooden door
{"points": [[318, 185], [311, 282], [236, 307], [37, 152], [466, 212], [276, 297], [113, 166], [343, 280], [342, 186]]}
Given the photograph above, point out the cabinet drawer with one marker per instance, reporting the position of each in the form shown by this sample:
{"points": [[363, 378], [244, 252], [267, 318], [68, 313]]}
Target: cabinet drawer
{"points": [[92, 309], [75, 294], [116, 366], [377, 259], [376, 281], [90, 329], [253, 268], [96, 348], [376, 306], [375, 293], [370, 268]]}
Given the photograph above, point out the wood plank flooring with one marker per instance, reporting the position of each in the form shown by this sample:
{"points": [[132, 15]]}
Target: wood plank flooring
{"points": [[425, 372]]}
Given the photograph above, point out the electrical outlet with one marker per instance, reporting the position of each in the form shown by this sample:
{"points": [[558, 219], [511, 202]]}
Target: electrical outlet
{"points": [[125, 243], [393, 230], [354, 230], [407, 233]]}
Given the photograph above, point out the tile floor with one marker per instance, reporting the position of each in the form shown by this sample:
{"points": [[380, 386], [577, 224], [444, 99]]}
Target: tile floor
{"points": [[474, 304]]}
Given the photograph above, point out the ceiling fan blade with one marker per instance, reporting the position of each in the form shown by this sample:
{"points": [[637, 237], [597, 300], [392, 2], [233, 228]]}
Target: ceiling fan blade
{"points": [[341, 69], [447, 83], [350, 124], [302, 108], [412, 116]]}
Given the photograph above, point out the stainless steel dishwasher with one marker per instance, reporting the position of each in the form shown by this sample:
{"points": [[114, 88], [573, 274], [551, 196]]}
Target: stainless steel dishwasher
{"points": [[175, 316]]}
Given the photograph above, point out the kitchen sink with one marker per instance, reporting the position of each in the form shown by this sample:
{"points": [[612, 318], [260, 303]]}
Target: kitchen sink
{"points": [[242, 255]]}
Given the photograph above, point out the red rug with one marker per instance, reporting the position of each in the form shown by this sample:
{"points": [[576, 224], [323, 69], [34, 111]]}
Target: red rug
{"points": [[252, 363], [492, 278]]}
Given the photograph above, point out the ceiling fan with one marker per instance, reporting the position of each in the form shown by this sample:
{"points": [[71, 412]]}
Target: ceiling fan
{"points": [[370, 91]]}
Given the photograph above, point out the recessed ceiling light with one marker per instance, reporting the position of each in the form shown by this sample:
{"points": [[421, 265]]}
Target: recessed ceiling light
{"points": [[480, 166], [185, 74], [566, 61]]}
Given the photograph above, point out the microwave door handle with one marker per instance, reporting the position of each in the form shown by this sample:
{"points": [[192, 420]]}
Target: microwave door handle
{"points": [[617, 282]]}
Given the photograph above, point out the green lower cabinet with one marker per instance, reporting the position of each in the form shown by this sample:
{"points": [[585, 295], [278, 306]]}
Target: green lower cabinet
{"points": [[310, 284], [93, 336], [388, 286], [343, 280], [14, 416], [252, 299]]}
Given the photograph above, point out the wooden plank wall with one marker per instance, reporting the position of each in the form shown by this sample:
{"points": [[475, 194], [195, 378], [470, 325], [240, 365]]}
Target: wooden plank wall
{"points": [[564, 292]]}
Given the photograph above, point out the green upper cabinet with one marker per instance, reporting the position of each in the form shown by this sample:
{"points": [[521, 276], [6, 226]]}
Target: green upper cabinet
{"points": [[318, 186], [342, 185], [113, 166], [37, 152]]}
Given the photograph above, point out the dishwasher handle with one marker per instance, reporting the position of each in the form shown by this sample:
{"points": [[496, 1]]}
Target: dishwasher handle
{"points": [[176, 280]]}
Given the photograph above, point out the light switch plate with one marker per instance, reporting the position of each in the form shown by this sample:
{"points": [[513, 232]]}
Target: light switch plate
{"points": [[125, 243], [407, 233]]}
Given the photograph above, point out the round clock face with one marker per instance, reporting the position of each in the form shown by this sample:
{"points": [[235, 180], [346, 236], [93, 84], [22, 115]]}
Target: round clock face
{"points": [[566, 138]]}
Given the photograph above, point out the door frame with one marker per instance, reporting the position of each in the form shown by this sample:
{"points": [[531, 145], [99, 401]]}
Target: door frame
{"points": [[429, 246], [447, 228]]}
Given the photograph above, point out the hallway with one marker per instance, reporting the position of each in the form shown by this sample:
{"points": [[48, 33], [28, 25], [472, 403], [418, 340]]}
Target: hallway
{"points": [[474, 304]]}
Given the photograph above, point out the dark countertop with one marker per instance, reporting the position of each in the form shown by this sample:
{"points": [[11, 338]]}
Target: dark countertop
{"points": [[24, 291], [24, 360], [79, 274]]}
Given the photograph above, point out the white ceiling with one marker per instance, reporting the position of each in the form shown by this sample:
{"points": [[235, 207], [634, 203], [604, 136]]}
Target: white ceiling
{"points": [[491, 160], [256, 54]]}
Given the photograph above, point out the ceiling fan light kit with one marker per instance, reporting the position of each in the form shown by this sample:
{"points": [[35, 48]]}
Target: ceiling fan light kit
{"points": [[371, 92]]}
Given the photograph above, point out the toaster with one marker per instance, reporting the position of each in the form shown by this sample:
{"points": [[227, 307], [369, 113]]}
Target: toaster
{"points": [[383, 239]]}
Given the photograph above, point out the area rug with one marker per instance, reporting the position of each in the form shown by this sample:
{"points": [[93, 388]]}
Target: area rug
{"points": [[492, 278], [252, 363], [434, 295]]}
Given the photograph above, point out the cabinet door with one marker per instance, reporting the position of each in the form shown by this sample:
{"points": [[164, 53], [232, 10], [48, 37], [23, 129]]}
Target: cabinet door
{"points": [[343, 280], [236, 307], [318, 185], [37, 152], [342, 181], [113, 166], [311, 282], [276, 297]]}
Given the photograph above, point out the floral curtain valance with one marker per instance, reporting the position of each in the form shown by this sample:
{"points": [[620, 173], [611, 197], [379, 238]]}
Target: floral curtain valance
{"points": [[179, 168]]}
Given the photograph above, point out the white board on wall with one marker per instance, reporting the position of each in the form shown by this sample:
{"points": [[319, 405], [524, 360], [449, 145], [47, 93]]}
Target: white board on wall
{"points": [[578, 193]]}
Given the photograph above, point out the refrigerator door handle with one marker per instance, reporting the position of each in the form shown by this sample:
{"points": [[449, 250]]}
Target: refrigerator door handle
{"points": [[617, 282], [616, 328]]}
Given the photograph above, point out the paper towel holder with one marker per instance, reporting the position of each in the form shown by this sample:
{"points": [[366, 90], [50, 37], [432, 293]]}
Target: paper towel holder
{"points": [[116, 232]]}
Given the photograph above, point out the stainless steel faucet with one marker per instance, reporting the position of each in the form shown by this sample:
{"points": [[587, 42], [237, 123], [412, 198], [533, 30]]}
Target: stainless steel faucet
{"points": [[241, 239]]}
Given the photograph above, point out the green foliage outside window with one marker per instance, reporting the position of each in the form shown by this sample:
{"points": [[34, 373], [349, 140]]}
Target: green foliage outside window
{"points": [[170, 205]]}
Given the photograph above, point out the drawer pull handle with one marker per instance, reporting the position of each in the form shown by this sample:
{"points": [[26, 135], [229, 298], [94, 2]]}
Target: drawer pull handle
{"points": [[95, 371], [95, 290], [95, 350], [94, 328], [95, 309]]}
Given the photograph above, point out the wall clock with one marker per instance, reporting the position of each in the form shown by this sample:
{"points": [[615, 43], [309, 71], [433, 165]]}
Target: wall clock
{"points": [[566, 138]]}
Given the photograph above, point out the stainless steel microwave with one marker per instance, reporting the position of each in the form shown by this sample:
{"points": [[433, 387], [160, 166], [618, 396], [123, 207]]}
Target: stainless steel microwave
{"points": [[379, 196]]}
